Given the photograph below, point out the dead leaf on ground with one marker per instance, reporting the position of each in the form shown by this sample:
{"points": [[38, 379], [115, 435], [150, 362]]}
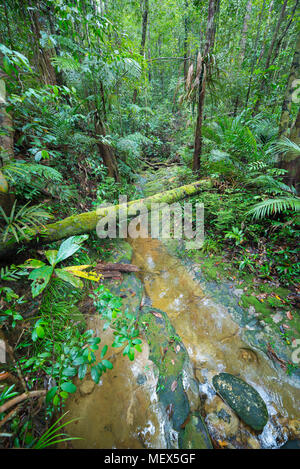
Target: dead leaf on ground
{"points": [[157, 315], [174, 386]]}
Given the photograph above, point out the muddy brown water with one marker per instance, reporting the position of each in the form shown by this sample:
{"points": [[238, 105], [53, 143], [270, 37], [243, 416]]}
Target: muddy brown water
{"points": [[123, 411]]}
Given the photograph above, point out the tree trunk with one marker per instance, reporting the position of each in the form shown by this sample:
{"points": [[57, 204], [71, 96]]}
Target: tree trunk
{"points": [[106, 152], [209, 45], [143, 40], [270, 53], [287, 102], [284, 33], [42, 55], [6, 147], [290, 161], [87, 222], [254, 59], [185, 42], [245, 30]]}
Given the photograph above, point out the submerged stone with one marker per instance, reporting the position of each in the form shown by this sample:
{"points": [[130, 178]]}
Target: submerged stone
{"points": [[195, 434], [243, 399]]}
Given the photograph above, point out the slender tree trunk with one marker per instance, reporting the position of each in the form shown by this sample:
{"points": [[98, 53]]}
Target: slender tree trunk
{"points": [[243, 48], [185, 42], [6, 147], [245, 30], [42, 55], [287, 101], [209, 45], [284, 33], [143, 40], [106, 152], [270, 53], [254, 60]]}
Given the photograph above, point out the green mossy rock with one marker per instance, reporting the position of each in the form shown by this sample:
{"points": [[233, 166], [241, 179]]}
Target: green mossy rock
{"points": [[130, 290], [195, 434], [121, 252], [170, 357], [243, 399]]}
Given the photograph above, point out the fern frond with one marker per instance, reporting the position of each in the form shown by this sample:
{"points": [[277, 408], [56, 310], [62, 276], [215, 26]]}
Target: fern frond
{"points": [[16, 168], [17, 223], [274, 206], [269, 184]]}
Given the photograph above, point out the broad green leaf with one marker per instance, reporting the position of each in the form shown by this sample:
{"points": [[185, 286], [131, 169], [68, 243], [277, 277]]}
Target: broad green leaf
{"points": [[70, 371], [95, 374], [51, 256], [82, 371], [41, 278], [33, 264], [40, 332], [104, 350], [70, 246], [107, 364], [51, 393], [68, 387]]}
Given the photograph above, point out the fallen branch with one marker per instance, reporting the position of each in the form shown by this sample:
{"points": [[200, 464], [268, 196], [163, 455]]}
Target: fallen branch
{"points": [[116, 267], [21, 398], [9, 416]]}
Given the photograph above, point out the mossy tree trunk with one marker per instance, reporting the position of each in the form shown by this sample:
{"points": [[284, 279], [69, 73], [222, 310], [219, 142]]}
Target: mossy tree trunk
{"points": [[87, 222], [291, 161]]}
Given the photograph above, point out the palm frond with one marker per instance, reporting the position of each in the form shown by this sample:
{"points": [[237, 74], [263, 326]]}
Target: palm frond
{"points": [[286, 146], [274, 206], [12, 169], [18, 222]]}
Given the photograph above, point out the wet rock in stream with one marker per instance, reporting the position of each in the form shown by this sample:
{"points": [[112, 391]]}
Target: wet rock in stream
{"points": [[243, 399], [195, 434], [176, 381]]}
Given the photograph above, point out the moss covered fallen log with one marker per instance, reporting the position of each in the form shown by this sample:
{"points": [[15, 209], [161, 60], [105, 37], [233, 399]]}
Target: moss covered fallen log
{"points": [[87, 222]]}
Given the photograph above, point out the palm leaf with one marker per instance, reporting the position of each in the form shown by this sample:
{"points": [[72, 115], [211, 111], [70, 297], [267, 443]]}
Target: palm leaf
{"points": [[274, 206]]}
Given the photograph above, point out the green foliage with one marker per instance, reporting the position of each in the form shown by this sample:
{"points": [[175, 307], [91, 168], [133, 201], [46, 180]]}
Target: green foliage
{"points": [[18, 223], [110, 191], [236, 234], [42, 274], [124, 324], [275, 206], [7, 394], [52, 437]]}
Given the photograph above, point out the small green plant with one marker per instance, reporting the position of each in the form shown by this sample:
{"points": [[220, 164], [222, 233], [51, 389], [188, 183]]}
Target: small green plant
{"points": [[123, 324], [7, 394], [41, 273], [211, 246], [236, 234], [248, 263], [52, 436]]}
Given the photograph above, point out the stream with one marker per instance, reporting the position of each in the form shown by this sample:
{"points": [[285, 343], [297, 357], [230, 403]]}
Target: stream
{"points": [[124, 411]]}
